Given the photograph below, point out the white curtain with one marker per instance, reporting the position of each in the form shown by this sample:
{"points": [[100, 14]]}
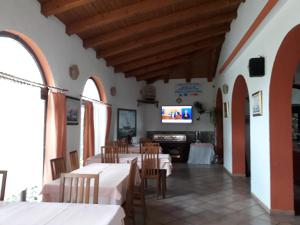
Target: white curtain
{"points": [[100, 114], [22, 137]]}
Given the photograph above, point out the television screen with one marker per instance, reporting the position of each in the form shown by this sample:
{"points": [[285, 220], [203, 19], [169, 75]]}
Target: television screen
{"points": [[176, 114]]}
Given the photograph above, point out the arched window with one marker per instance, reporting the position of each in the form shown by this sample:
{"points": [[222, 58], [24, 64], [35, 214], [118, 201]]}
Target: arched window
{"points": [[22, 119], [91, 92]]}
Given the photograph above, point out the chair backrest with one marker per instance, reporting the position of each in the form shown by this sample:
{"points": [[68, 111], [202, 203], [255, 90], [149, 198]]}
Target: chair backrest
{"points": [[150, 162], [109, 154], [130, 186], [3, 176], [143, 141], [74, 161], [58, 166], [151, 144], [122, 147], [76, 188]]}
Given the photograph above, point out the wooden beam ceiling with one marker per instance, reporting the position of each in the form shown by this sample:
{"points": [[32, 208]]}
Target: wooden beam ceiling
{"points": [[158, 66], [168, 55], [150, 39], [102, 19], [203, 26], [205, 9], [54, 7]]}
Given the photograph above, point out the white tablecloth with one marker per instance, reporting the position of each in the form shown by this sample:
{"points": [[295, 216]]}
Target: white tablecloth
{"points": [[164, 159], [112, 183], [201, 153], [24, 213]]}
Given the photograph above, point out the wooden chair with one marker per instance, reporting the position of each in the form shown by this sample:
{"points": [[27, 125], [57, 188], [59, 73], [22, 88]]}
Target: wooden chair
{"points": [[109, 154], [76, 188], [151, 166], [151, 144], [122, 147], [3, 174], [58, 166], [143, 141], [74, 161], [129, 204]]}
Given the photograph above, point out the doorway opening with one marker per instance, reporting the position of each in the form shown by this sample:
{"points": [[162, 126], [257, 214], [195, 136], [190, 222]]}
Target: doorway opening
{"points": [[241, 150]]}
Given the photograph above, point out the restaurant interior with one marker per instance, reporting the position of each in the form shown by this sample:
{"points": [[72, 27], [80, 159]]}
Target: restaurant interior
{"points": [[157, 112]]}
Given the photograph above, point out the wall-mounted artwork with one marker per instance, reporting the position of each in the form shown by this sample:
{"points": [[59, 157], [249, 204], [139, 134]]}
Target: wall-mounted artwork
{"points": [[73, 110], [257, 108], [226, 109], [126, 123]]}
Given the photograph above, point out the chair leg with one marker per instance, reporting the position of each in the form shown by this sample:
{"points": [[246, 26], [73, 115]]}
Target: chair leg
{"points": [[158, 186], [164, 182]]}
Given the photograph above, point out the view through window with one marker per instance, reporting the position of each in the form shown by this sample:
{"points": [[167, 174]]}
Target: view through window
{"points": [[22, 118], [100, 117]]}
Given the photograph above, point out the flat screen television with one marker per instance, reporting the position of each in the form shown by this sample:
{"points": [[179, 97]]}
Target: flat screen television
{"points": [[176, 114]]}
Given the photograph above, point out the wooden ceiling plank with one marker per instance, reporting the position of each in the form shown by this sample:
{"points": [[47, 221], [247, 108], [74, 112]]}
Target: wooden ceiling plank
{"points": [[163, 72], [169, 34], [116, 15], [169, 54], [165, 46], [158, 66], [54, 7], [206, 8], [214, 56]]}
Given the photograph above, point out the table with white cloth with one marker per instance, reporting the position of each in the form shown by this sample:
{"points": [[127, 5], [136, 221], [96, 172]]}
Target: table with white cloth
{"points": [[201, 153], [24, 213], [165, 160], [113, 180], [135, 148]]}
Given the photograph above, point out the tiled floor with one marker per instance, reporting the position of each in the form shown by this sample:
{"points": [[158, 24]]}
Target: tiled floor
{"points": [[207, 195]]}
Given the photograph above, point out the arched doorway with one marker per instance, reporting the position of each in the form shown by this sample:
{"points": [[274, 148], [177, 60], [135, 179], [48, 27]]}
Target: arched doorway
{"points": [[281, 146], [22, 116], [219, 126], [94, 91], [240, 128]]}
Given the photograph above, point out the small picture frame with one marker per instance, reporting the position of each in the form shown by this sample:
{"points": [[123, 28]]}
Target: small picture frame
{"points": [[257, 106], [73, 110], [226, 109]]}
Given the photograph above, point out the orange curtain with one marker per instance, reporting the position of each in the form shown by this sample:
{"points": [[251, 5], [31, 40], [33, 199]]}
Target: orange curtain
{"points": [[109, 110], [56, 131], [88, 132]]}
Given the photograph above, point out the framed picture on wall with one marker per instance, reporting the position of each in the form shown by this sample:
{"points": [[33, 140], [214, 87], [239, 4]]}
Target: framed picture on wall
{"points": [[126, 123], [226, 109], [73, 110], [257, 108]]}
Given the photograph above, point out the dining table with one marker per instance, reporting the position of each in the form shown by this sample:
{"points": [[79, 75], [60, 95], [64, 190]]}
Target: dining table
{"points": [[165, 160], [201, 153], [113, 179], [42, 213]]}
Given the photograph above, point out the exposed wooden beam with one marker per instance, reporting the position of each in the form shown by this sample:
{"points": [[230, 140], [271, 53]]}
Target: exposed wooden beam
{"points": [[158, 66], [54, 7], [102, 19], [165, 46], [158, 73], [169, 34], [207, 8], [190, 48]]}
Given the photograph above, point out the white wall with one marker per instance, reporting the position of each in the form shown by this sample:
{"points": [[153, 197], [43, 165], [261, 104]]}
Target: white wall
{"points": [[61, 51], [265, 42], [166, 96]]}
